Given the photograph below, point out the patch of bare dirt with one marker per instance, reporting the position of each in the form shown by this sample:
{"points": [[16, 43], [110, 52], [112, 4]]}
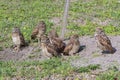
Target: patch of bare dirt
{"points": [[89, 55], [92, 55], [26, 53]]}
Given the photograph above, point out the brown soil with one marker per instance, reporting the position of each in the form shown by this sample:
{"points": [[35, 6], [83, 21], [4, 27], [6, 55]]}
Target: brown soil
{"points": [[89, 55]]}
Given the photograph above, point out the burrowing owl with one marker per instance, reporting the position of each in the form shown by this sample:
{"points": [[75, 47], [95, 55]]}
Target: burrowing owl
{"points": [[103, 42], [58, 43], [17, 38], [39, 30], [48, 50], [73, 46]]}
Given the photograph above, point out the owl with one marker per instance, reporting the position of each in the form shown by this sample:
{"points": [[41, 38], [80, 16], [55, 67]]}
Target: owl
{"points": [[73, 45], [58, 43], [17, 38], [38, 31], [48, 50], [103, 42]]}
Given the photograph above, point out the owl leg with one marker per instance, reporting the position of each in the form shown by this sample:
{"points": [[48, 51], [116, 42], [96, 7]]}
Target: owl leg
{"points": [[18, 48], [14, 48]]}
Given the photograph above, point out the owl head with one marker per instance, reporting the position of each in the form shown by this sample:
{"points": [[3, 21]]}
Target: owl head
{"points": [[16, 30], [99, 30]]}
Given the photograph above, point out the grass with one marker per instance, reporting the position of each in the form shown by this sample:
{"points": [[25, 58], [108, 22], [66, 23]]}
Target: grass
{"points": [[87, 68], [26, 14], [90, 14], [109, 75], [84, 16], [40, 69], [36, 69]]}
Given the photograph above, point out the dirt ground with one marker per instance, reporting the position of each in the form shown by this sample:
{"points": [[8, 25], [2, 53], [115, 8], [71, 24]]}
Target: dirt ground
{"points": [[93, 55], [89, 55]]}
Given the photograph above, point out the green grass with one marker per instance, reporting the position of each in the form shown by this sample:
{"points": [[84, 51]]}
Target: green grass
{"points": [[84, 16], [90, 14], [40, 69], [87, 68], [26, 14], [34, 69], [109, 75]]}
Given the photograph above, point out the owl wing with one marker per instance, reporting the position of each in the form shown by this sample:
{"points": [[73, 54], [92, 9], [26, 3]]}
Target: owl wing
{"points": [[60, 45], [68, 48], [104, 40], [22, 39], [34, 33], [52, 50], [56, 42]]}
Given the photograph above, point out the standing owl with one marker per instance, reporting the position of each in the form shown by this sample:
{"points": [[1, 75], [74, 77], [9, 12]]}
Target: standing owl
{"points": [[48, 50], [58, 43], [103, 42], [73, 46], [39, 30], [17, 38]]}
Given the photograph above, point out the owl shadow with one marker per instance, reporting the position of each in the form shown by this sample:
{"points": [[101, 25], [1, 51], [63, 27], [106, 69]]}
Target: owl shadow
{"points": [[26, 45], [82, 47], [108, 52], [21, 46]]}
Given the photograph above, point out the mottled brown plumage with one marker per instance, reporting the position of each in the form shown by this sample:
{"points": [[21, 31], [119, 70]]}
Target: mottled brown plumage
{"points": [[58, 43], [73, 46], [39, 30], [17, 38], [48, 50], [103, 42]]}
